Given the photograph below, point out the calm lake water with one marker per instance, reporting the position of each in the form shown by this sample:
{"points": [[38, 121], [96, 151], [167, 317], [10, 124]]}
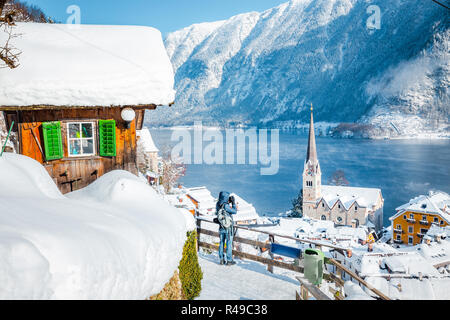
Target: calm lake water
{"points": [[402, 169]]}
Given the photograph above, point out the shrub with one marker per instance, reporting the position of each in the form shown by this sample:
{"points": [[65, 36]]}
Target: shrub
{"points": [[191, 274]]}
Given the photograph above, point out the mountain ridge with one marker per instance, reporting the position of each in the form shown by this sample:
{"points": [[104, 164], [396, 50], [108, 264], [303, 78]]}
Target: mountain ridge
{"points": [[265, 69]]}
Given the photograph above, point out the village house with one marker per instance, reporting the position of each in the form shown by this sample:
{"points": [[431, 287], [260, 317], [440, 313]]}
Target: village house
{"points": [[205, 205], [148, 160], [81, 93], [341, 204], [413, 220]]}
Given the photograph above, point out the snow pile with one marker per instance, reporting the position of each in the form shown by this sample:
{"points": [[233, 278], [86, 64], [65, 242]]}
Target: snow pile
{"points": [[115, 239], [87, 65], [189, 218]]}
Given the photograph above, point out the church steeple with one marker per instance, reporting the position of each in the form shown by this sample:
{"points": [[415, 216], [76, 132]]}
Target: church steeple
{"points": [[311, 154], [312, 175]]}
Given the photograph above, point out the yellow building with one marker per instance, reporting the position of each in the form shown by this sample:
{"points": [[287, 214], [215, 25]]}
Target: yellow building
{"points": [[413, 220]]}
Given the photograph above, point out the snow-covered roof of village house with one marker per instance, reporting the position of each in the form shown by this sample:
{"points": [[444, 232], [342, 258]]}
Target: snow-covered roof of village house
{"points": [[207, 204], [409, 262], [147, 140], [246, 211], [436, 230], [87, 66], [364, 197], [433, 203]]}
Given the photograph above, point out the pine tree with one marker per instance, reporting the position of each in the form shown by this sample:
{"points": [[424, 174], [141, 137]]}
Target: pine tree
{"points": [[297, 206]]}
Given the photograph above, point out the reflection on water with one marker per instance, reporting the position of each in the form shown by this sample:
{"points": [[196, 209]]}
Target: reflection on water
{"points": [[402, 169]]}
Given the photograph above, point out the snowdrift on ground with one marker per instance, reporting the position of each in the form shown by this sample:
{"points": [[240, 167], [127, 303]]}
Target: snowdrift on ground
{"points": [[115, 239]]}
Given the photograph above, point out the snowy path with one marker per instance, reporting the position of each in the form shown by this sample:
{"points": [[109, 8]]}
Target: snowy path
{"points": [[247, 280]]}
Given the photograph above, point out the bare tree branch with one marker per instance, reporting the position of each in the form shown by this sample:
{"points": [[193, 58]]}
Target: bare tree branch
{"points": [[9, 55], [2, 4]]}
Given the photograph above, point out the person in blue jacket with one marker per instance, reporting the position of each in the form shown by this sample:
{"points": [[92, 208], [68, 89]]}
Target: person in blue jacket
{"points": [[226, 236]]}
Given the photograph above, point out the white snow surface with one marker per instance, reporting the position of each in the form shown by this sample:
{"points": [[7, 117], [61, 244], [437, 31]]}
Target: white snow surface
{"points": [[115, 239], [87, 65]]}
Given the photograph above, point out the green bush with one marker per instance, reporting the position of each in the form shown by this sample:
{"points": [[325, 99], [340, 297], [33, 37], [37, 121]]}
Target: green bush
{"points": [[191, 274]]}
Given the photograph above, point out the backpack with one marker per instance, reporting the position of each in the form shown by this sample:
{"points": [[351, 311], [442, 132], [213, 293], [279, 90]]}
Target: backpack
{"points": [[224, 218]]}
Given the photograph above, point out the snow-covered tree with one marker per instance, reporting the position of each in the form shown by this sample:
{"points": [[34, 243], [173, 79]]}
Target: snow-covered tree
{"points": [[171, 170], [297, 205]]}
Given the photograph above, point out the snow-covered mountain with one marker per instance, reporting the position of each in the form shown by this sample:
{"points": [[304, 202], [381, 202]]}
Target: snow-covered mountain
{"points": [[267, 68]]}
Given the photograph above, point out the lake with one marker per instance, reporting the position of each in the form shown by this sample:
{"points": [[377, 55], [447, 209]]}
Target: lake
{"points": [[402, 169]]}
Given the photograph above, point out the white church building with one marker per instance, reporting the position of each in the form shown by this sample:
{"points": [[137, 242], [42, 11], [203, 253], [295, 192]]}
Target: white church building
{"points": [[341, 204]]}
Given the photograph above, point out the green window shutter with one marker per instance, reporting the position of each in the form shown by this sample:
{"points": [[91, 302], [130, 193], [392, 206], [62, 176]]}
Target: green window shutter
{"points": [[52, 140], [107, 138]]}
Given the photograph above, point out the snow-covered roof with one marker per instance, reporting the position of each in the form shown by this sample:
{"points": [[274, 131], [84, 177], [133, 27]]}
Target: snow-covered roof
{"points": [[433, 203], [146, 140], [435, 253], [364, 197], [246, 211], [206, 202], [179, 200], [412, 288], [87, 66], [436, 230], [150, 174]]}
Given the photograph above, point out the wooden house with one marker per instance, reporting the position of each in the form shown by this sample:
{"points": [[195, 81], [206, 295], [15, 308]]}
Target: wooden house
{"points": [[79, 95]]}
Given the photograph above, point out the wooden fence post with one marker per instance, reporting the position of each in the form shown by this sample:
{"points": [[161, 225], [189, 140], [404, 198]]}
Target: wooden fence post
{"points": [[199, 228], [271, 240]]}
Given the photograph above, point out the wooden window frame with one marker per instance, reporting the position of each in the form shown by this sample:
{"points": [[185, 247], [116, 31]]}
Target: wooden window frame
{"points": [[94, 138]]}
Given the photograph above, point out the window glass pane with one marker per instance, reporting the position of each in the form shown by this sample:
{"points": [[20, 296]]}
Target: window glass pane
{"points": [[86, 130], [74, 130], [88, 146], [75, 148]]}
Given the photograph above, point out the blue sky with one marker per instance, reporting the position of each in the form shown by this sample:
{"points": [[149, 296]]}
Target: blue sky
{"points": [[165, 15]]}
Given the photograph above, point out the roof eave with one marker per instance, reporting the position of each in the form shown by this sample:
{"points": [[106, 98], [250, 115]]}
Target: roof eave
{"points": [[53, 107]]}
